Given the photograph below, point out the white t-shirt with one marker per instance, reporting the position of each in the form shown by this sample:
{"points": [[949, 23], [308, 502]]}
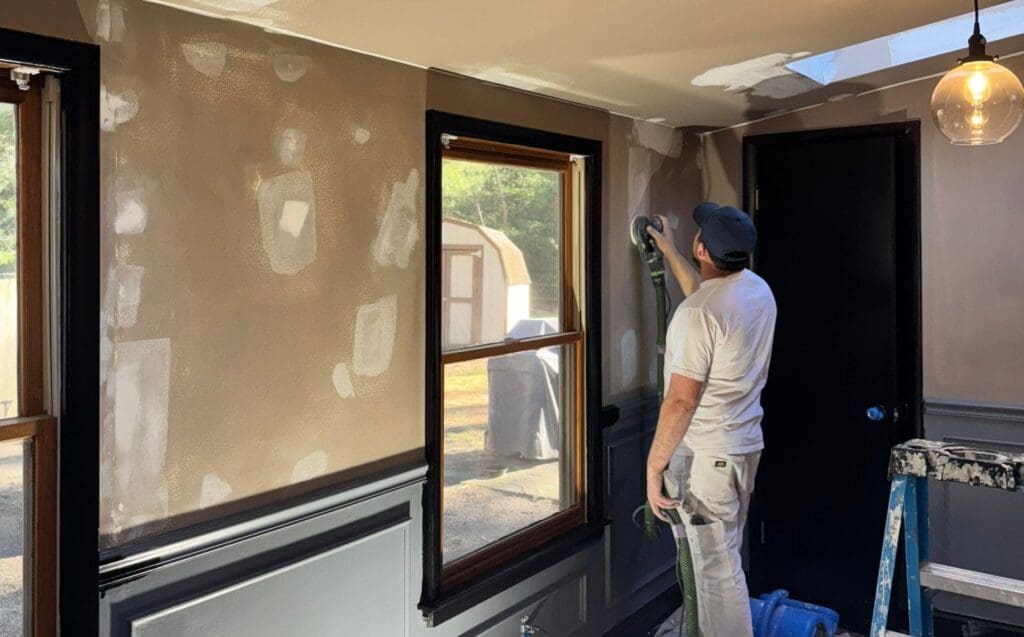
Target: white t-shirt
{"points": [[722, 336]]}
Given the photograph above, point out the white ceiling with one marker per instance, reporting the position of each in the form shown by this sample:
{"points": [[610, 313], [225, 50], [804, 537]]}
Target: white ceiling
{"points": [[635, 57]]}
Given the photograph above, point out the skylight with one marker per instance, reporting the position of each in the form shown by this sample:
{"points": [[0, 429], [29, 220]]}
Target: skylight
{"points": [[1001, 21]]}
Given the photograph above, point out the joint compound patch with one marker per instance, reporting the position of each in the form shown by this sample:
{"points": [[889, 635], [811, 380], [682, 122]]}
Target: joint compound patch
{"points": [[342, 381], [116, 108], [289, 67], [287, 211], [640, 171], [142, 371], [663, 140], [747, 75], [109, 21], [207, 58], [627, 351], [214, 491], [290, 146], [399, 229], [375, 336], [130, 214], [124, 286], [313, 465], [360, 136]]}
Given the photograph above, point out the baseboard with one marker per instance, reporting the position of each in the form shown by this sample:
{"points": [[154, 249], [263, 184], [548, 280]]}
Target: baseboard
{"points": [[649, 616]]}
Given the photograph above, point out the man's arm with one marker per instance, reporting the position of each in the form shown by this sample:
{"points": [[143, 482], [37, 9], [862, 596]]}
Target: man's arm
{"points": [[677, 409], [685, 273]]}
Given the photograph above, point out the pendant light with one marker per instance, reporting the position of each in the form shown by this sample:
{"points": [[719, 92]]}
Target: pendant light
{"points": [[980, 101]]}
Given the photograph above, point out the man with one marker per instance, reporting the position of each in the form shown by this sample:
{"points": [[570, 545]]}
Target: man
{"points": [[708, 441]]}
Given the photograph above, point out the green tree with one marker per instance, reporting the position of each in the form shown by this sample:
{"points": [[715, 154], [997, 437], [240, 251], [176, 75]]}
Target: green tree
{"points": [[8, 194], [525, 204]]}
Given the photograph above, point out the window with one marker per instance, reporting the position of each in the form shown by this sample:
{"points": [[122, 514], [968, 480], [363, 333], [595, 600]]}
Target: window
{"points": [[27, 432], [509, 367]]}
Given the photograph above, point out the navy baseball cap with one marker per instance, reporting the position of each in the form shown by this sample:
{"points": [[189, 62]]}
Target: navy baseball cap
{"points": [[728, 233]]}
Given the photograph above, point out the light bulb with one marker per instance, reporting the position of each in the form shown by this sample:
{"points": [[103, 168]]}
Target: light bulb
{"points": [[978, 87]]}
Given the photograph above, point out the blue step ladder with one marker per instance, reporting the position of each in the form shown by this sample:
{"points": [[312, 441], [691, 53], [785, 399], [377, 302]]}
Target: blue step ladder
{"points": [[911, 465]]}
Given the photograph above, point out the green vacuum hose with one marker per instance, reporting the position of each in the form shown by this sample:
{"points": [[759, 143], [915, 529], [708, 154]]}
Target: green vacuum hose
{"points": [[684, 561]]}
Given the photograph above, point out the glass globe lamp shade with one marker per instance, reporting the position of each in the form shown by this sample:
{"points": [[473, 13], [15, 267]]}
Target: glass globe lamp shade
{"points": [[979, 102]]}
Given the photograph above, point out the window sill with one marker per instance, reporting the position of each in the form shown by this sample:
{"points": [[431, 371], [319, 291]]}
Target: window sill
{"points": [[452, 603]]}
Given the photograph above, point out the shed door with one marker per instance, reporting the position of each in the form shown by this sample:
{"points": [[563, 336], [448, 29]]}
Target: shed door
{"points": [[462, 295]]}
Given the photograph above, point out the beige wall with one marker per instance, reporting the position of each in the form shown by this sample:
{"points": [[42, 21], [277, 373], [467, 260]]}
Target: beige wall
{"points": [[263, 203], [263, 213], [972, 230]]}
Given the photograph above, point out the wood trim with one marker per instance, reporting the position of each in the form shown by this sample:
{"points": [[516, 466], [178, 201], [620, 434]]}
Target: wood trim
{"points": [[509, 347], [490, 152], [31, 286], [515, 545]]}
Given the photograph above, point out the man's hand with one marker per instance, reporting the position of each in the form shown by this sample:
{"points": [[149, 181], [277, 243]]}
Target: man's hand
{"points": [[655, 498], [664, 239]]}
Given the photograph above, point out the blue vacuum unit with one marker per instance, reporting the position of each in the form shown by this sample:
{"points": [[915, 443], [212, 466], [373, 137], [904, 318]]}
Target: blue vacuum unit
{"points": [[775, 615]]}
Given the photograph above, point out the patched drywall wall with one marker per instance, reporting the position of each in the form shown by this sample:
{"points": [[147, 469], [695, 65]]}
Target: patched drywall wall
{"points": [[262, 271], [971, 225], [262, 263]]}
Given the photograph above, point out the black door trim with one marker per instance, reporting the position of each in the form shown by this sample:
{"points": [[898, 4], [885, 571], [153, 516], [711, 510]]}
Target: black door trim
{"points": [[907, 137], [78, 451]]}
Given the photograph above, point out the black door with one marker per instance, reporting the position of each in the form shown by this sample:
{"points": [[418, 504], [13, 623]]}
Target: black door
{"points": [[837, 215]]}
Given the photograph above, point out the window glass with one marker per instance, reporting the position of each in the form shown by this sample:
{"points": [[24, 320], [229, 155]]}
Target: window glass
{"points": [[8, 264], [508, 449], [501, 252]]}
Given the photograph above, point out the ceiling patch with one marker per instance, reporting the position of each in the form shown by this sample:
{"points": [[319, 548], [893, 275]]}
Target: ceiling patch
{"points": [[752, 73]]}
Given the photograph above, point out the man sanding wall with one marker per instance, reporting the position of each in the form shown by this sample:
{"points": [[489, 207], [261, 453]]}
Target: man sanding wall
{"points": [[708, 440]]}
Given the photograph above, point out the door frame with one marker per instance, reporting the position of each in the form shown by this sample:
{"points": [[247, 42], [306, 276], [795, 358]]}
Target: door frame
{"points": [[76, 318], [907, 139]]}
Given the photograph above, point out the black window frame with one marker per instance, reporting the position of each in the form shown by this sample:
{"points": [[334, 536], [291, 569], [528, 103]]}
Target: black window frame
{"points": [[438, 603]]}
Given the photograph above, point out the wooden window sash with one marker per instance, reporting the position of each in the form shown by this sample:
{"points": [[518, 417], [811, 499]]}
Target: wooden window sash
{"points": [[32, 422], [520, 542], [42, 590]]}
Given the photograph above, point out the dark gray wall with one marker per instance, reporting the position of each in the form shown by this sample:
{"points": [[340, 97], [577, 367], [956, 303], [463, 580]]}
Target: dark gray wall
{"points": [[975, 527]]}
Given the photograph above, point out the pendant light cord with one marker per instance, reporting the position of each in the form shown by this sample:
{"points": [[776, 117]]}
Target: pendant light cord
{"points": [[977, 21]]}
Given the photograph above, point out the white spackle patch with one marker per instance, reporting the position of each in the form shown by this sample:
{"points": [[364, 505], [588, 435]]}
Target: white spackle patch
{"points": [[399, 230], [290, 146], [109, 21], [208, 58], [126, 283], [214, 491], [360, 136], [375, 336], [289, 67], [313, 465], [627, 351], [288, 221], [640, 171], [116, 109], [745, 75], [342, 381], [131, 215], [237, 6], [663, 140], [293, 217], [142, 372]]}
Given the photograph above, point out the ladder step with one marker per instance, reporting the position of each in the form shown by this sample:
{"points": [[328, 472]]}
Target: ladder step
{"points": [[973, 584]]}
